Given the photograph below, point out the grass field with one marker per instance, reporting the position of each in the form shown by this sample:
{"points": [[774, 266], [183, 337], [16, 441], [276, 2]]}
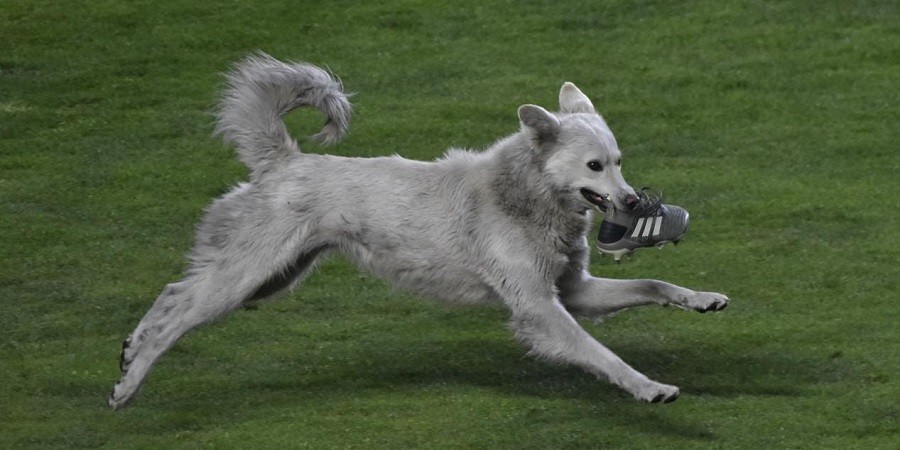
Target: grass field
{"points": [[774, 123]]}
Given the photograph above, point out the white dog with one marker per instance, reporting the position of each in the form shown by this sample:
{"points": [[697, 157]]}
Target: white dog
{"points": [[506, 225]]}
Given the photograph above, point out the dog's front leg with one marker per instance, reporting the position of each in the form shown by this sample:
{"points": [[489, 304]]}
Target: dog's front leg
{"points": [[593, 297], [542, 324]]}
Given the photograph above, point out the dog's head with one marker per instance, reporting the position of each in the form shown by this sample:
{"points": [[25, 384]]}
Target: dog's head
{"points": [[582, 158]]}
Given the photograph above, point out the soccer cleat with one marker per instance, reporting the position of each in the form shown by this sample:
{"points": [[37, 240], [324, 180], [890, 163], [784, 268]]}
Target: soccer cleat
{"points": [[650, 223]]}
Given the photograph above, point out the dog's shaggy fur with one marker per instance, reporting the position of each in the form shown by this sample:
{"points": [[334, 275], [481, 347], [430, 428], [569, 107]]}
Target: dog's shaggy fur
{"points": [[507, 225]]}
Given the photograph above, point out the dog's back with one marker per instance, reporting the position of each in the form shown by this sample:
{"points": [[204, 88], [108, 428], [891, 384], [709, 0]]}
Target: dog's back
{"points": [[424, 226]]}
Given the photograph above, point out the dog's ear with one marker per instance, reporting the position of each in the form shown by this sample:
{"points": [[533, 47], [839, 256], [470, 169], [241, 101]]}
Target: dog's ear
{"points": [[543, 125], [572, 100]]}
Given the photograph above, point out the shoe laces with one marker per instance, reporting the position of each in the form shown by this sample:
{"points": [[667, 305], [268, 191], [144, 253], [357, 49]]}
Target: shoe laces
{"points": [[649, 201]]}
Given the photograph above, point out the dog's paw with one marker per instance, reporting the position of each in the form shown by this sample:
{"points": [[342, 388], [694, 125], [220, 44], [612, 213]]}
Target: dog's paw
{"points": [[655, 392], [703, 302], [119, 397]]}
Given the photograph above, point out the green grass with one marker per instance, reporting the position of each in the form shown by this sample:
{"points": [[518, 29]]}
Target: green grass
{"points": [[775, 124]]}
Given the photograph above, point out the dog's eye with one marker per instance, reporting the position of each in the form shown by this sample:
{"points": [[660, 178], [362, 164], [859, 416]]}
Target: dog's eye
{"points": [[619, 162], [595, 165]]}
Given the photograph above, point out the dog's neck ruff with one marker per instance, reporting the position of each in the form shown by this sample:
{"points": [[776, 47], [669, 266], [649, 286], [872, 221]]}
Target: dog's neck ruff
{"points": [[524, 190]]}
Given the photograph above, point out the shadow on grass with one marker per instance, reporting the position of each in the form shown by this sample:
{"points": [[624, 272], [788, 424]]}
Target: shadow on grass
{"points": [[380, 368]]}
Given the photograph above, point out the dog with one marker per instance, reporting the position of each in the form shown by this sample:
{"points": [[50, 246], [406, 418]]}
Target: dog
{"points": [[505, 226]]}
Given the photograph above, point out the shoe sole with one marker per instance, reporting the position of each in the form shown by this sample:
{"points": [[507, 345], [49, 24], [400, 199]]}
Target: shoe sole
{"points": [[618, 254]]}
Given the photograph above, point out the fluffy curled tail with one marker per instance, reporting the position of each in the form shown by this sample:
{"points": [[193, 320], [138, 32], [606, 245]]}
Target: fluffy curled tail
{"points": [[260, 91]]}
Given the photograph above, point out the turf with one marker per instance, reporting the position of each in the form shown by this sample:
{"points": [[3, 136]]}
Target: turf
{"points": [[774, 124]]}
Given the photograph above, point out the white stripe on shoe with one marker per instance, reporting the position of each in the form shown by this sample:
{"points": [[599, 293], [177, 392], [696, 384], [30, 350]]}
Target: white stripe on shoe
{"points": [[637, 228], [648, 227]]}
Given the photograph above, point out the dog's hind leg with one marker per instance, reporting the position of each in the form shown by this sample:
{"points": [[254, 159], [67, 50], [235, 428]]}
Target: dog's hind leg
{"points": [[174, 313], [200, 298], [218, 283]]}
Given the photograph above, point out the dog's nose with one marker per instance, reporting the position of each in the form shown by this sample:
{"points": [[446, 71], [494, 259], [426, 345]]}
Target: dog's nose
{"points": [[631, 201]]}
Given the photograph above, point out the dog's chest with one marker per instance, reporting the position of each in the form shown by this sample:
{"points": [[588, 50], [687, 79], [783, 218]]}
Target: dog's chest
{"points": [[566, 233]]}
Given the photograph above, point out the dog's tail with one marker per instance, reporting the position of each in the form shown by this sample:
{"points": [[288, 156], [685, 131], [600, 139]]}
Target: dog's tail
{"points": [[260, 91]]}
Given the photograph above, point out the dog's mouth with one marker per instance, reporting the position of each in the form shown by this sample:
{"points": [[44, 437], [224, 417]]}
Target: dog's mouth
{"points": [[594, 198]]}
